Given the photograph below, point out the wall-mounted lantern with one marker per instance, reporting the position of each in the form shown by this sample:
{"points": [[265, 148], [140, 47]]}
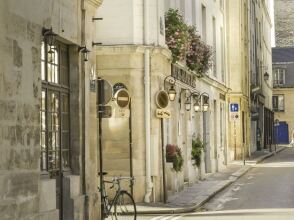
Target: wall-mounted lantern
{"points": [[188, 104], [85, 52], [205, 101], [49, 36], [188, 99], [196, 105], [171, 91], [266, 76], [204, 97]]}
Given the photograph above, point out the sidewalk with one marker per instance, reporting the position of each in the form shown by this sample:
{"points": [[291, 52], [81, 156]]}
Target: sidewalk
{"points": [[192, 198]]}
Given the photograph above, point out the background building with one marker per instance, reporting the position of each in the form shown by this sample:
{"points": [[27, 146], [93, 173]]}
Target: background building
{"points": [[138, 57], [283, 81], [261, 25], [238, 73], [211, 126]]}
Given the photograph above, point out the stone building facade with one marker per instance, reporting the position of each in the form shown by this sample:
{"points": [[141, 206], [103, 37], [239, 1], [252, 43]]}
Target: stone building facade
{"points": [[251, 77], [261, 25], [48, 169], [138, 57], [238, 69], [283, 81]]}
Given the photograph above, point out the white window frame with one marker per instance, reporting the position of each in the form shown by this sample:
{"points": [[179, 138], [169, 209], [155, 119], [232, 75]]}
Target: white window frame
{"points": [[280, 103], [277, 73]]}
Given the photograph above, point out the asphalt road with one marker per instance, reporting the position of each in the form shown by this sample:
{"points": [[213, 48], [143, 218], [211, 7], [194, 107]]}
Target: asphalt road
{"points": [[268, 185], [265, 192]]}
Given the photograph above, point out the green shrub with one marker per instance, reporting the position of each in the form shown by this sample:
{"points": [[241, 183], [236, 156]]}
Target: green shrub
{"points": [[197, 149]]}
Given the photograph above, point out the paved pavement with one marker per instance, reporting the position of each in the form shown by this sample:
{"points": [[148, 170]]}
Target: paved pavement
{"points": [[194, 197], [268, 185], [276, 214], [256, 194]]}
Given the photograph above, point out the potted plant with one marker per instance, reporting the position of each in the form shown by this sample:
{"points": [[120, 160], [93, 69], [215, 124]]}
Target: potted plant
{"points": [[170, 153], [178, 160], [174, 155], [197, 149]]}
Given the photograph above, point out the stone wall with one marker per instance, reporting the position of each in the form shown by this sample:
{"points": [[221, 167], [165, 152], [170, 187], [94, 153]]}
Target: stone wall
{"points": [[19, 115], [284, 21], [24, 192]]}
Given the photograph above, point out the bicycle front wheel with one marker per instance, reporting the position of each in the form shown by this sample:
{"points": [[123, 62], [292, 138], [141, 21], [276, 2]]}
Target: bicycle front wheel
{"points": [[125, 206]]}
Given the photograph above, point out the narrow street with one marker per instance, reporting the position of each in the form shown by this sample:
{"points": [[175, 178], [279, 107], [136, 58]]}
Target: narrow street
{"points": [[265, 189], [268, 185]]}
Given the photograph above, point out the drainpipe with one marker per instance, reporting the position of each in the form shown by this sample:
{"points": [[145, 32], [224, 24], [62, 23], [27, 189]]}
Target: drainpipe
{"points": [[149, 184]]}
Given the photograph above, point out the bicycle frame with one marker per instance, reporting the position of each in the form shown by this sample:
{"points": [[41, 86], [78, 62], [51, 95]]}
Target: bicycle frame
{"points": [[108, 206]]}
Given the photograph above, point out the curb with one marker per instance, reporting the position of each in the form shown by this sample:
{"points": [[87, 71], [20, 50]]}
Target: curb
{"points": [[233, 178]]}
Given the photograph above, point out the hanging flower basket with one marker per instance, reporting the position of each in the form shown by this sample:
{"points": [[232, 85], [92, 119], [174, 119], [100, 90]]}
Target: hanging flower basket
{"points": [[176, 34], [186, 44], [199, 55]]}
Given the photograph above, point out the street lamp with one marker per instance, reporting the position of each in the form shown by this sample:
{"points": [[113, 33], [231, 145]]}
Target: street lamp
{"points": [[205, 98], [197, 106], [188, 104], [188, 99], [49, 36], [85, 52], [171, 91], [266, 76]]}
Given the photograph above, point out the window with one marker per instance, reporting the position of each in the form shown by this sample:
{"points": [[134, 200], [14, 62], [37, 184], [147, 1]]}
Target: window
{"points": [[214, 47], [279, 77], [194, 12], [203, 12], [221, 2], [54, 111], [222, 55], [278, 103]]}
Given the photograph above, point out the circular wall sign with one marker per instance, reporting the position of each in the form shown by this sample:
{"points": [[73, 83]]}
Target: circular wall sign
{"points": [[122, 98], [118, 86], [162, 99]]}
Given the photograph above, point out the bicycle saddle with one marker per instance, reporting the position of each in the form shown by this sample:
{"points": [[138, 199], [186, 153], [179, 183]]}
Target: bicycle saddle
{"points": [[103, 173]]}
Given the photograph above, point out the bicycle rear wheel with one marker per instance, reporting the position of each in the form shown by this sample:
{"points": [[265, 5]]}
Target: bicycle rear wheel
{"points": [[125, 206]]}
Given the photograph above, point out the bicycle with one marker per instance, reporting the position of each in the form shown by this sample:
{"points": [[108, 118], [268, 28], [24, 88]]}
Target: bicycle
{"points": [[122, 203]]}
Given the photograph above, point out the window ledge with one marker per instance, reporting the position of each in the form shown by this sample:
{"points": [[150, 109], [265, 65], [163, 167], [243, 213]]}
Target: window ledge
{"points": [[95, 3]]}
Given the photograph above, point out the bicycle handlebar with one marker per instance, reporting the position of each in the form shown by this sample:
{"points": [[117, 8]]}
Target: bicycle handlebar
{"points": [[123, 178]]}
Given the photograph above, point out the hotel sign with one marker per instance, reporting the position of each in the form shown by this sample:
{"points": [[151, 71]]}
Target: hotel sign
{"points": [[163, 113], [183, 76]]}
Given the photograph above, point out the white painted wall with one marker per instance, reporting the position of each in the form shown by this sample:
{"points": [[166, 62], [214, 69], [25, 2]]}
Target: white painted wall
{"points": [[123, 22]]}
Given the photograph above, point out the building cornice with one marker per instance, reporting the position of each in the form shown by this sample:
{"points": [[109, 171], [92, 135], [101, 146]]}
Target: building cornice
{"points": [[95, 3], [216, 84]]}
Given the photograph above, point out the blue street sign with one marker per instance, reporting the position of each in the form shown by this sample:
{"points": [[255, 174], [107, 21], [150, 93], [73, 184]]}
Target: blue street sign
{"points": [[234, 107]]}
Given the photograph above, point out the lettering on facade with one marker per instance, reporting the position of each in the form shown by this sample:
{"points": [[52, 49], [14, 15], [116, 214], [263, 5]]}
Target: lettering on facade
{"points": [[183, 76], [222, 97]]}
